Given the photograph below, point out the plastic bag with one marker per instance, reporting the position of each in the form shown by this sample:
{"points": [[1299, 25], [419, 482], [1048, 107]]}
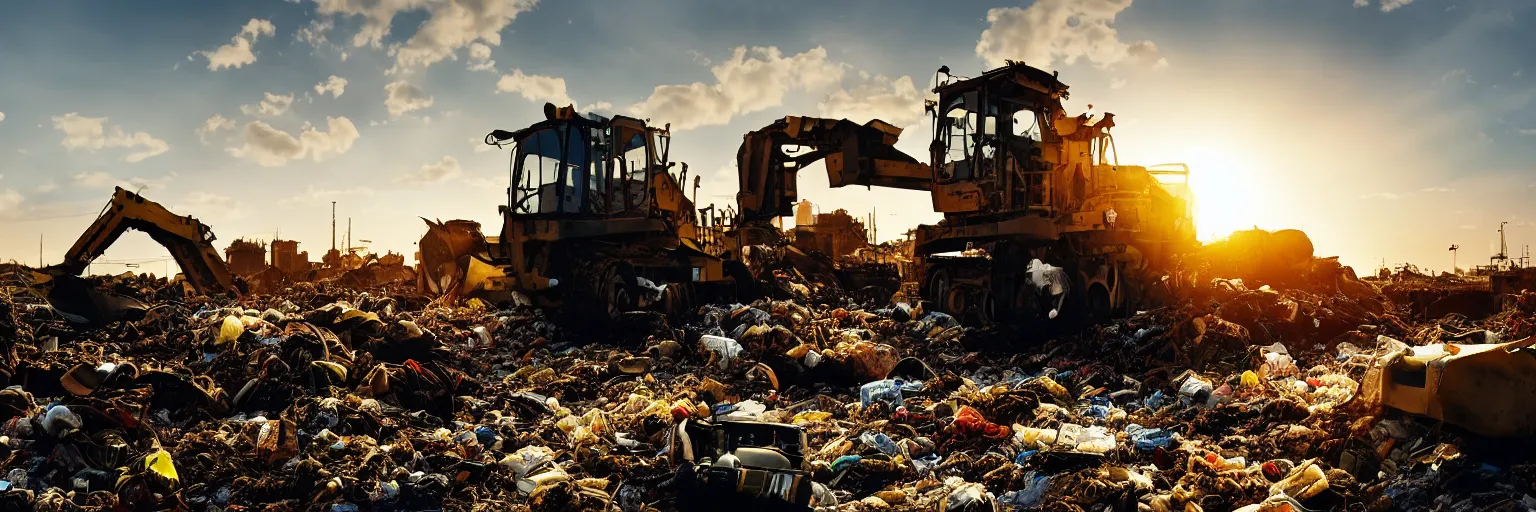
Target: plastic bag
{"points": [[728, 349]]}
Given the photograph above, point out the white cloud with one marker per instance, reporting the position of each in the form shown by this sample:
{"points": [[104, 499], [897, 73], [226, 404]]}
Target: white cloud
{"points": [[443, 170], [214, 125], [1117, 83], [334, 85], [599, 107], [1438, 189], [270, 147], [48, 186], [238, 53], [2, 116], [742, 85], [314, 195], [898, 102], [89, 133], [207, 204], [1457, 76], [1390, 5], [10, 202], [480, 58], [535, 87], [401, 97], [450, 25], [1527, 131], [270, 105], [314, 32], [1049, 31], [94, 179], [480, 145], [100, 179]]}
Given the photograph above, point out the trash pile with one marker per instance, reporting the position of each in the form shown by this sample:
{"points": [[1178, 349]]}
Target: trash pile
{"points": [[1321, 396]]}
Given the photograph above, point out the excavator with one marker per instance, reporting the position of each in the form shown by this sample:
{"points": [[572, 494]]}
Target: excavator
{"points": [[189, 241], [1022, 185], [595, 222]]}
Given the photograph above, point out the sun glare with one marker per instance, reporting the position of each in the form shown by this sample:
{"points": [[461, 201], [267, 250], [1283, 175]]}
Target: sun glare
{"points": [[1224, 192]]}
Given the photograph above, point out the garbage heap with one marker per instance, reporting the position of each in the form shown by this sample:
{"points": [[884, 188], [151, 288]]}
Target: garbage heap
{"points": [[326, 398]]}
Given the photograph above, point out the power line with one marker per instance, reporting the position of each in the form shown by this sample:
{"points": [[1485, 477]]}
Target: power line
{"points": [[52, 217]]}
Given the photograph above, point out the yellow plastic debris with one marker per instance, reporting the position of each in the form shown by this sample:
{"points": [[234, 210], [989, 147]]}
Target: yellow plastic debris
{"points": [[1055, 389], [1250, 379], [230, 330], [811, 417], [159, 463]]}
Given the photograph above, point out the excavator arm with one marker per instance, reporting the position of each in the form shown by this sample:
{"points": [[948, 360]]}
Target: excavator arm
{"points": [[854, 154], [190, 242]]}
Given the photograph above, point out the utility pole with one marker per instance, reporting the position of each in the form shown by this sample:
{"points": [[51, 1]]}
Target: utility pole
{"points": [[349, 235], [333, 225], [1453, 249]]}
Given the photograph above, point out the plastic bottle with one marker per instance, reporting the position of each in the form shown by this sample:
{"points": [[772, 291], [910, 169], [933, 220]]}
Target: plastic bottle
{"points": [[1195, 391], [880, 441], [886, 391]]}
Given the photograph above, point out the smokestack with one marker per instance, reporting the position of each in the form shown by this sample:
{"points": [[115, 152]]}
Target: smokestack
{"points": [[333, 225]]}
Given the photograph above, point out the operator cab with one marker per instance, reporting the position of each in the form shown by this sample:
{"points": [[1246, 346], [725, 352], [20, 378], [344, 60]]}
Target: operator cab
{"points": [[583, 166], [988, 135]]}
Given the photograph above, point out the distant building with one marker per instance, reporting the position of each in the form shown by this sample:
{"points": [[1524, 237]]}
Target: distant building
{"points": [[245, 257]]}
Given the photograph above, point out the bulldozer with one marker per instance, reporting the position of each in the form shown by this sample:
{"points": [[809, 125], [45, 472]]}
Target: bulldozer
{"points": [[596, 223], [1022, 185]]}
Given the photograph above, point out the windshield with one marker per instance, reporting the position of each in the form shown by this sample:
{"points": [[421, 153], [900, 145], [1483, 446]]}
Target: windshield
{"points": [[551, 173]]}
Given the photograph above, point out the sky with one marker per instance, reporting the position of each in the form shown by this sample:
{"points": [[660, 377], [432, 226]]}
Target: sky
{"points": [[1387, 129]]}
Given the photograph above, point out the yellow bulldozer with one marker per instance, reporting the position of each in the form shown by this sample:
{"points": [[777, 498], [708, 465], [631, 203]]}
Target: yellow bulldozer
{"points": [[596, 223], [1035, 203]]}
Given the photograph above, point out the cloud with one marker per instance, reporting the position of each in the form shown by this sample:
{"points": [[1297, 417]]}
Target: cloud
{"points": [[443, 170], [214, 125], [238, 53], [480, 58], [314, 32], [450, 25], [334, 85], [208, 204], [898, 102], [742, 85], [270, 105], [1390, 5], [1381, 195], [1457, 76], [314, 195], [48, 186], [10, 201], [90, 134], [1051, 31], [1117, 83], [2, 116], [270, 147], [94, 179], [1438, 189], [1527, 131], [401, 97], [535, 87], [100, 179]]}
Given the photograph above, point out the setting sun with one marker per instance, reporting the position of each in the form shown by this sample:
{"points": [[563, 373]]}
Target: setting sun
{"points": [[1225, 188]]}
